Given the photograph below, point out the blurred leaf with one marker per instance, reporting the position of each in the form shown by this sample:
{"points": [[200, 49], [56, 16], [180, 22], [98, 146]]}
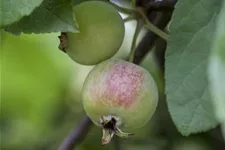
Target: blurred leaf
{"points": [[13, 10], [142, 147], [191, 144], [50, 16], [217, 70], [188, 98]]}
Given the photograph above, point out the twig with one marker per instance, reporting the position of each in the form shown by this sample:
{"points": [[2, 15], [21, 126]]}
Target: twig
{"points": [[122, 9], [129, 18], [133, 45], [152, 27], [77, 135], [149, 39]]}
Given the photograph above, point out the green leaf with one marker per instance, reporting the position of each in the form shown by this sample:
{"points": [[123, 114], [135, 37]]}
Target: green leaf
{"points": [[13, 10], [217, 70], [188, 98], [50, 16]]}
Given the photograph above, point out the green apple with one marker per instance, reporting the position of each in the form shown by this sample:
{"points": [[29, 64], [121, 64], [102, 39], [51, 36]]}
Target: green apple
{"points": [[101, 33], [119, 95]]}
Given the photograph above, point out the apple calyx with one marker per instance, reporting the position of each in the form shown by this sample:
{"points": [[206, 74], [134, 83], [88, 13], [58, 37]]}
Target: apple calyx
{"points": [[110, 126], [63, 42]]}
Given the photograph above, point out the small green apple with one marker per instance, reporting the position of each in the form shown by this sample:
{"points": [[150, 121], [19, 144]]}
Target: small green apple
{"points": [[101, 33]]}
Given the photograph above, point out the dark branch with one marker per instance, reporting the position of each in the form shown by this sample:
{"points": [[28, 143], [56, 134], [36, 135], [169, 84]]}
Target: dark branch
{"points": [[161, 20], [163, 5], [158, 5], [77, 135]]}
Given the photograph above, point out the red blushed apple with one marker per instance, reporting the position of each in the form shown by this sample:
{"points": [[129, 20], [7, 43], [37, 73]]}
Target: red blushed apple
{"points": [[119, 95]]}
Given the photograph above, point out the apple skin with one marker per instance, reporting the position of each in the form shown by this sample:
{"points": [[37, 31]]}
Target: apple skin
{"points": [[122, 89], [101, 33]]}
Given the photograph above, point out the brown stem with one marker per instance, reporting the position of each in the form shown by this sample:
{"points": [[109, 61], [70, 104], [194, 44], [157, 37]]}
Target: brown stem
{"points": [[146, 44], [77, 135]]}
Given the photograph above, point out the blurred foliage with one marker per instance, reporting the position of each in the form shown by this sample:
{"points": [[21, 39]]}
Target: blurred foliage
{"points": [[33, 82]]}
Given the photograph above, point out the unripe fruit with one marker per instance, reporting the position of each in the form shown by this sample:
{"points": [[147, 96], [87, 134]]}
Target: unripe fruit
{"points": [[119, 95], [101, 33]]}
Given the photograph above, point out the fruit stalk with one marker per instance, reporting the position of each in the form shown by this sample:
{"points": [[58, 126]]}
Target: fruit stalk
{"points": [[152, 27], [133, 45]]}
